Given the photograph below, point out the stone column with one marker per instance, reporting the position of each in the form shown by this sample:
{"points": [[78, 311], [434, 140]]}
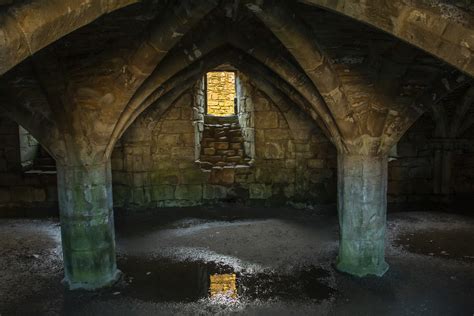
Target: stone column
{"points": [[362, 204], [87, 225]]}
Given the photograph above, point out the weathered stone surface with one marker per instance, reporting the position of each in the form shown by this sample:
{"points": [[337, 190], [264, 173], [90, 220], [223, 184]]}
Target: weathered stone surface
{"points": [[260, 191], [209, 151], [215, 148], [191, 192], [362, 203], [274, 150], [424, 27], [266, 119], [214, 192], [4, 195], [22, 193], [87, 233], [162, 192], [222, 175], [39, 195], [165, 176], [221, 145], [180, 126], [316, 163]]}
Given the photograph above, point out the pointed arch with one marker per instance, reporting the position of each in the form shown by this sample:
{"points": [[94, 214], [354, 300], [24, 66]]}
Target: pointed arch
{"points": [[27, 27], [429, 27]]}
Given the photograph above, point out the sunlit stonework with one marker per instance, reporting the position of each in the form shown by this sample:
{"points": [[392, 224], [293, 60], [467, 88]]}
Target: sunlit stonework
{"points": [[220, 93]]}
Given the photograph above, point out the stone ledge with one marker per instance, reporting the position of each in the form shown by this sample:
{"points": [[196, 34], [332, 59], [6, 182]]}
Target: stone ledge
{"points": [[41, 172]]}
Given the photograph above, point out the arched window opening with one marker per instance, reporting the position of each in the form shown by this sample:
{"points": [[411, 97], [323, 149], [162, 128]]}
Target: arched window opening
{"points": [[224, 127]]}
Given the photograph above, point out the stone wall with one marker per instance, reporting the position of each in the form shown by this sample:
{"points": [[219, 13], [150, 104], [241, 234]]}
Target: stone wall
{"points": [[220, 93], [463, 170], [294, 161], [22, 192], [155, 163], [411, 174]]}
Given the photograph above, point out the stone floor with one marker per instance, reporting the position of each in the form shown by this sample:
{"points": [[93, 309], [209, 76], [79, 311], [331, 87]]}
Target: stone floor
{"points": [[199, 261]]}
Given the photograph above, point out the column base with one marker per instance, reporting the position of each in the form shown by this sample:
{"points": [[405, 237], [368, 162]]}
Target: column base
{"points": [[89, 286], [362, 271]]}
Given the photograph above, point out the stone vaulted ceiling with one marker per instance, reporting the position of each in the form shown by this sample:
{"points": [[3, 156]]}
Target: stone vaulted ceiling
{"points": [[96, 65]]}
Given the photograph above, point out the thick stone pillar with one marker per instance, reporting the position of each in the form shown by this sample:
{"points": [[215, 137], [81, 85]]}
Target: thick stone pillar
{"points": [[362, 204], [87, 226]]}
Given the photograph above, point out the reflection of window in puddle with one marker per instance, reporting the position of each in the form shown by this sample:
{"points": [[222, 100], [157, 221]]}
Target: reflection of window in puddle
{"points": [[223, 285]]}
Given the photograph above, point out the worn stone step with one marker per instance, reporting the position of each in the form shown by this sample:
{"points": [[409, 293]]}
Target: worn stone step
{"points": [[227, 152], [241, 168], [211, 119], [222, 144], [234, 159], [235, 133], [205, 165], [211, 159], [221, 164]]}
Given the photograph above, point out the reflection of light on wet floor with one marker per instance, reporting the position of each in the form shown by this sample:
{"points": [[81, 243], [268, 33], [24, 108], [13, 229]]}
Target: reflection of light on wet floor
{"points": [[453, 244], [162, 280], [223, 285]]}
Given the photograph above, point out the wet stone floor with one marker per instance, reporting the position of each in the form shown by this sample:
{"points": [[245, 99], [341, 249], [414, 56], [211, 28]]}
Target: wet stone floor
{"points": [[257, 262]]}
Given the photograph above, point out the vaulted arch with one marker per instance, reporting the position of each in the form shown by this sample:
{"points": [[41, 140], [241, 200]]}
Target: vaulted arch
{"points": [[434, 28], [280, 92], [237, 58], [27, 27]]}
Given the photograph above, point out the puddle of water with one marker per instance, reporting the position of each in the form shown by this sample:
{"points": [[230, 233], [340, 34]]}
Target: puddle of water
{"points": [[452, 244], [164, 280]]}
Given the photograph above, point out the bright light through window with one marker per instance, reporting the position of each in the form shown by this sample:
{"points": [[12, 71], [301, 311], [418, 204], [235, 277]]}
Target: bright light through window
{"points": [[220, 93]]}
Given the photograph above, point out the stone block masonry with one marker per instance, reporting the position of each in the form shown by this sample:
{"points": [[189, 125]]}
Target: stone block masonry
{"points": [[22, 193], [220, 93], [222, 144], [145, 174], [294, 162]]}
